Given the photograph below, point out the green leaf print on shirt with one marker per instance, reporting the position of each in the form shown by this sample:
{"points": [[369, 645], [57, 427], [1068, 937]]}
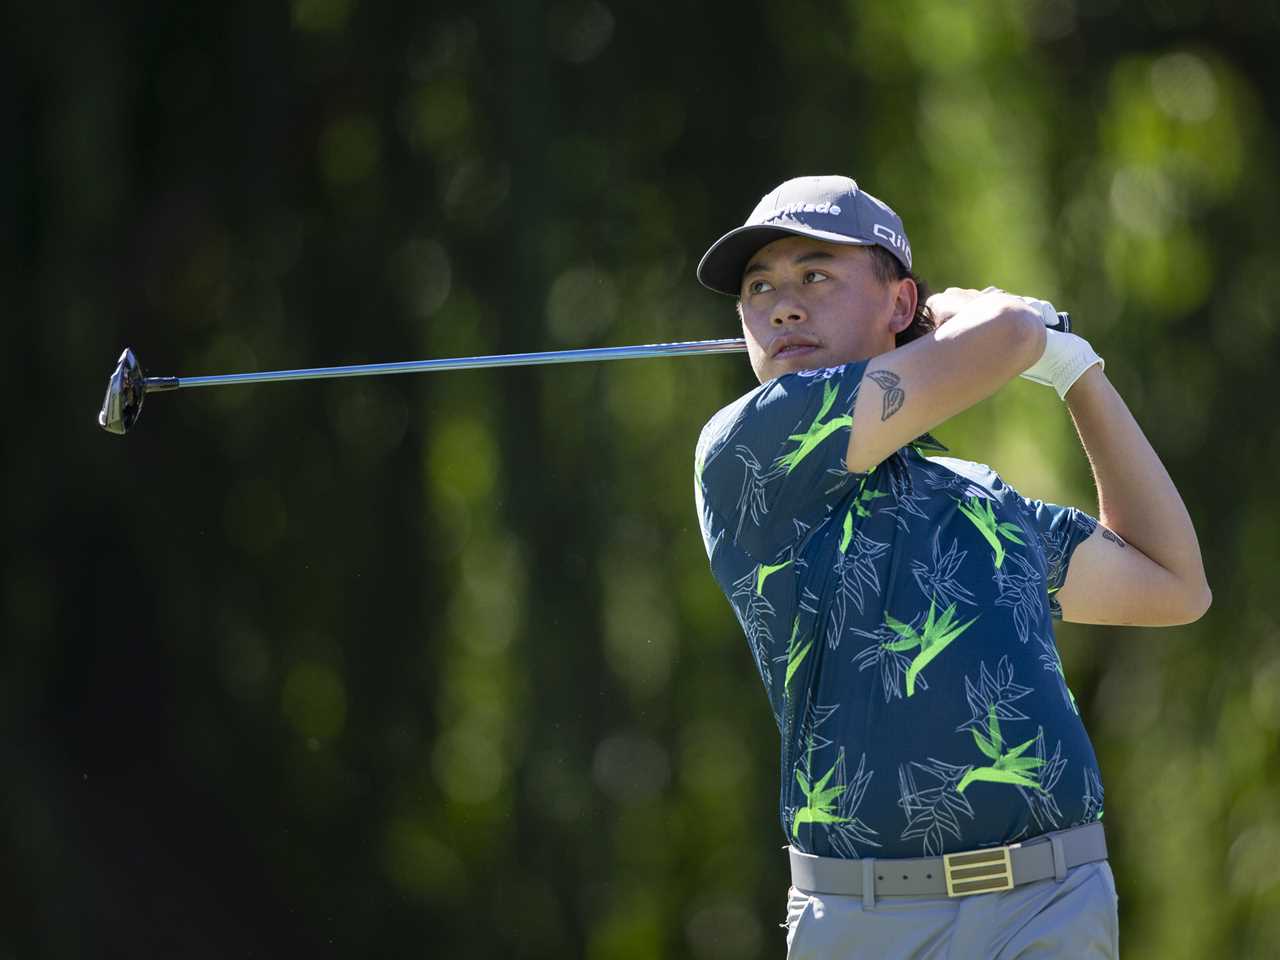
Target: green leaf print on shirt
{"points": [[818, 431], [984, 518], [933, 637], [795, 655], [764, 571], [846, 532], [864, 496], [822, 800], [1010, 766]]}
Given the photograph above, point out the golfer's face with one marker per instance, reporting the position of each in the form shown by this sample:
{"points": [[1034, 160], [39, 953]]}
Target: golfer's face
{"points": [[807, 304]]}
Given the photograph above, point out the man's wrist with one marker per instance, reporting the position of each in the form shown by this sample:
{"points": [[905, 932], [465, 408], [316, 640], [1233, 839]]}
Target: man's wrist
{"points": [[1087, 383], [1065, 359]]}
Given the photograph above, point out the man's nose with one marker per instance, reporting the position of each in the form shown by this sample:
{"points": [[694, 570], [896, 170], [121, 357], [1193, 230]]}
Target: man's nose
{"points": [[788, 312]]}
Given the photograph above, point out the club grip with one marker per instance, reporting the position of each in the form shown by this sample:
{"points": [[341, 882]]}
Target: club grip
{"points": [[1064, 322]]}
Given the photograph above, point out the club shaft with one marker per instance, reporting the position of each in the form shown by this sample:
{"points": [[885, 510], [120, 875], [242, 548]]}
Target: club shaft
{"points": [[156, 384], [591, 354]]}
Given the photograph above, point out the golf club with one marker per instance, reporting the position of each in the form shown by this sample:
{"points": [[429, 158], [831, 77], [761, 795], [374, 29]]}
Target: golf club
{"points": [[128, 386]]}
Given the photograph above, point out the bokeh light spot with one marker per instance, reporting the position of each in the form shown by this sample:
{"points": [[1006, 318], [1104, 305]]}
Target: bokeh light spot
{"points": [[582, 304], [1265, 696], [713, 759], [462, 461], [475, 190], [370, 417], [321, 16], [469, 766], [631, 930], [350, 150], [425, 275], [639, 639], [1143, 199], [245, 663], [579, 32], [724, 930], [314, 700], [644, 398], [631, 768], [1252, 860], [1184, 87], [419, 862], [438, 114]]}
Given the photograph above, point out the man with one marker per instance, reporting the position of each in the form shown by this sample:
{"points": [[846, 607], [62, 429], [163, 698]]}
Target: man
{"points": [[899, 606]]}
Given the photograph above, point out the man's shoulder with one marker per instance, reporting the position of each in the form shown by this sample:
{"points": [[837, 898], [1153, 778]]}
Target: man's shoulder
{"points": [[729, 418], [733, 423], [720, 428], [969, 469], [723, 419]]}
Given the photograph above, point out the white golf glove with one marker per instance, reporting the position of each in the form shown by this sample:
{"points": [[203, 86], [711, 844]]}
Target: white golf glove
{"points": [[1066, 356], [1047, 313]]}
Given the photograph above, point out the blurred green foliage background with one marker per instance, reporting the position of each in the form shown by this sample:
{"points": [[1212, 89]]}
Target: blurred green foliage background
{"points": [[434, 665]]}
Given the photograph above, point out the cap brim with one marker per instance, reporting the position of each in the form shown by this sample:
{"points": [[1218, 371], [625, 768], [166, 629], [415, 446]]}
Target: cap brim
{"points": [[721, 266]]}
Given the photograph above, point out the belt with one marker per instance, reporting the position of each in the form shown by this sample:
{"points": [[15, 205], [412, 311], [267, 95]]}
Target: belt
{"points": [[954, 875]]}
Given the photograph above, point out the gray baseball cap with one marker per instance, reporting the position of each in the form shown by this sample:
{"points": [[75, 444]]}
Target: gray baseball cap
{"points": [[830, 208]]}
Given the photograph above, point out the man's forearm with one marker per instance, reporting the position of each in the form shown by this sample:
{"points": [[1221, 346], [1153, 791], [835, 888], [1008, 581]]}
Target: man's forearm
{"points": [[984, 342], [1136, 497]]}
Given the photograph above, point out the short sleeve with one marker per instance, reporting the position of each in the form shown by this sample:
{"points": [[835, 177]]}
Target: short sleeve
{"points": [[772, 465], [1061, 530]]}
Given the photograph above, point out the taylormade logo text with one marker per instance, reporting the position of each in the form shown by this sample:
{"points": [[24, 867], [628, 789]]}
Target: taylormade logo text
{"points": [[826, 206], [882, 234]]}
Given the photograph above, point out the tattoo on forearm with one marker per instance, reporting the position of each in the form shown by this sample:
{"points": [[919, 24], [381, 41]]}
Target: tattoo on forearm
{"points": [[894, 395], [1113, 537]]}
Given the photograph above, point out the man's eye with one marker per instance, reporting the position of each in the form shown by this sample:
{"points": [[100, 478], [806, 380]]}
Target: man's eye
{"points": [[814, 276], [759, 286]]}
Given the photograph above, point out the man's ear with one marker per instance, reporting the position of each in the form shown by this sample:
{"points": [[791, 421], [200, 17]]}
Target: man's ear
{"points": [[904, 305]]}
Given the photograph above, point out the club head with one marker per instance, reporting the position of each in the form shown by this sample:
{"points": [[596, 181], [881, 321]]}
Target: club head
{"points": [[125, 390]]}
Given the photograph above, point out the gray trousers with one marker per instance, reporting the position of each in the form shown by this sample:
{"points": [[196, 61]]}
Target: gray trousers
{"points": [[1075, 919]]}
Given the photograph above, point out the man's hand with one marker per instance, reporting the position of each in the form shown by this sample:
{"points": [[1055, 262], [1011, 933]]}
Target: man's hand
{"points": [[952, 300], [1066, 356]]}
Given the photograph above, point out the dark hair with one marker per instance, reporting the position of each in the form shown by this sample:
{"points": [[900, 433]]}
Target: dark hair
{"points": [[889, 268]]}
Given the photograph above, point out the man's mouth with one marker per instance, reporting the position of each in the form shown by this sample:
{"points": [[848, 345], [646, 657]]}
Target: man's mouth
{"points": [[793, 347], [795, 351]]}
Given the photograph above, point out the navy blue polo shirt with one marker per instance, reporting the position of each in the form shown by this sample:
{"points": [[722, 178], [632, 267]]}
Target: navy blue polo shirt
{"points": [[902, 624]]}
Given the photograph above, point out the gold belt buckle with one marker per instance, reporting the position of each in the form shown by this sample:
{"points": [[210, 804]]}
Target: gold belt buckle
{"points": [[979, 871]]}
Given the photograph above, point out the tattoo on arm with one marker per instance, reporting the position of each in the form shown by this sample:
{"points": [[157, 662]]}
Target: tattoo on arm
{"points": [[894, 395], [1113, 537]]}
